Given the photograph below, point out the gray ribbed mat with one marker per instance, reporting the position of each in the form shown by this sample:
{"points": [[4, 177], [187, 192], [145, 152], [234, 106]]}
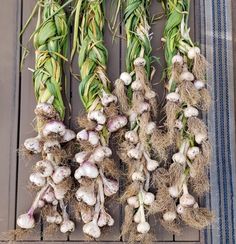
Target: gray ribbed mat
{"points": [[216, 40]]}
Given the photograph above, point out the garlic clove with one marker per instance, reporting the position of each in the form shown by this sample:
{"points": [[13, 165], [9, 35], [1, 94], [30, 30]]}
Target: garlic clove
{"points": [[111, 187], [179, 158], [67, 226], [132, 136], [169, 216], [26, 221], [86, 215], [135, 153], [174, 191], [143, 227], [37, 179], [60, 174], [152, 164], [105, 219], [126, 78], [173, 97], [55, 219], [190, 112], [92, 229], [133, 201], [33, 145], [44, 168], [116, 123], [193, 152], [54, 127], [97, 116], [82, 135]]}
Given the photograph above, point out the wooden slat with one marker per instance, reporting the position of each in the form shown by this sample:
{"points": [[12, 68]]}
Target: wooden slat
{"points": [[9, 74], [24, 197]]}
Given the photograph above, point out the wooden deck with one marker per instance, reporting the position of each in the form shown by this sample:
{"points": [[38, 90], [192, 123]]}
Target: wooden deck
{"points": [[17, 104]]}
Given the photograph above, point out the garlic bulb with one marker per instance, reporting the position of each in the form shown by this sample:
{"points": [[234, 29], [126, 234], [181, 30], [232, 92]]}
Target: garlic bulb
{"points": [[93, 138], [82, 135], [179, 158], [54, 127], [33, 145], [126, 78], [68, 136], [151, 126], [138, 176], [105, 219], [107, 98], [81, 157], [199, 84], [116, 123], [26, 221], [151, 164], [174, 191], [86, 194], [41, 204], [180, 209], [177, 59], [49, 197], [150, 95], [135, 153], [169, 216], [100, 153], [87, 169], [190, 112], [200, 137], [173, 97], [186, 200], [60, 174], [86, 215], [186, 76], [133, 201], [143, 107], [56, 218], [193, 52], [44, 168], [179, 124], [148, 198], [50, 145], [92, 229], [37, 179], [132, 136], [140, 61], [136, 86], [193, 152], [67, 226], [143, 227], [45, 109], [97, 116], [59, 191]]}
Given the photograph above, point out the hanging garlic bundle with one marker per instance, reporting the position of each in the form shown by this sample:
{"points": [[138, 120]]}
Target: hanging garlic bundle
{"points": [[96, 173], [138, 101], [51, 175], [187, 95]]}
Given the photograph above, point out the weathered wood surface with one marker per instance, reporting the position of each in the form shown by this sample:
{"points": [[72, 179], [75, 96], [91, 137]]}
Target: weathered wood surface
{"points": [[16, 106]]}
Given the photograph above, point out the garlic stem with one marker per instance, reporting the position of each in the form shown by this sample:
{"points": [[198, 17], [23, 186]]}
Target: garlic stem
{"points": [[100, 190], [147, 182]]}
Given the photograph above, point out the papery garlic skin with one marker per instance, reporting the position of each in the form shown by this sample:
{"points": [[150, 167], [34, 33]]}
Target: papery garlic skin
{"points": [[177, 59], [199, 84], [37, 179], [54, 127], [143, 227], [173, 97], [87, 169], [169, 216], [92, 229], [151, 126], [86, 194], [148, 198], [190, 112], [67, 226], [60, 174], [179, 158], [133, 201], [193, 52], [82, 135], [98, 116], [193, 152], [33, 145], [116, 123], [44, 168], [132, 136]]}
